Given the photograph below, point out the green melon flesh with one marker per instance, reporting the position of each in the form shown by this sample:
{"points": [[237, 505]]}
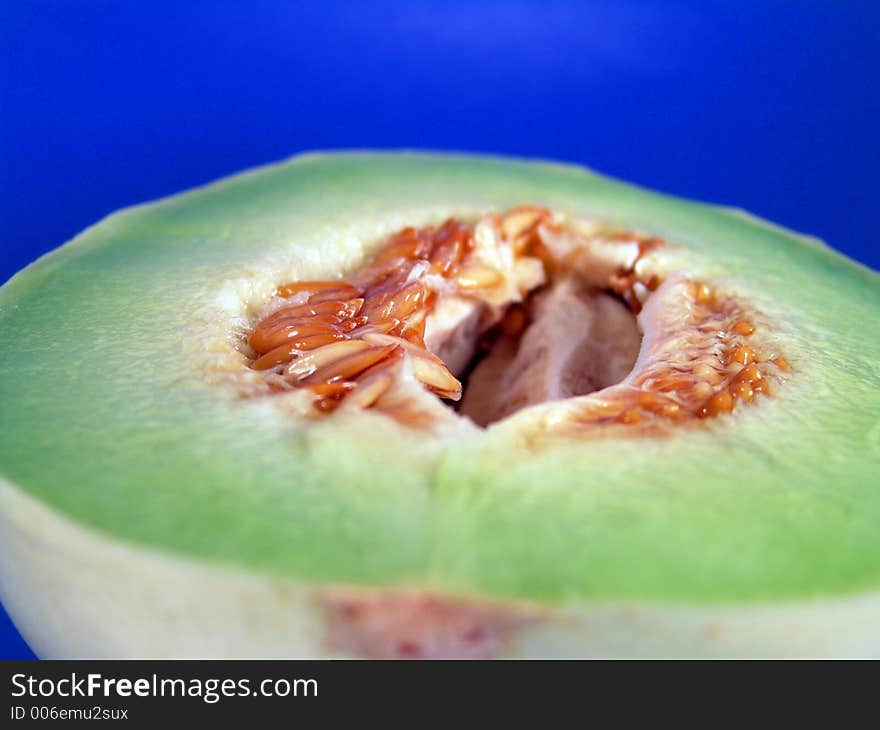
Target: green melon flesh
{"points": [[104, 419]]}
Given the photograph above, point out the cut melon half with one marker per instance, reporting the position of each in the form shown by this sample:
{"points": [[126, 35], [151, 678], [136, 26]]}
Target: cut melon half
{"points": [[415, 405]]}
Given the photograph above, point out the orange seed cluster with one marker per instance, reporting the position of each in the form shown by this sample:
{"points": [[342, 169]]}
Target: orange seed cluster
{"points": [[722, 368], [344, 340]]}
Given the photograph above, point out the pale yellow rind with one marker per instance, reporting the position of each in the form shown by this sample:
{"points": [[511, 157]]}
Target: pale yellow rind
{"points": [[74, 593]]}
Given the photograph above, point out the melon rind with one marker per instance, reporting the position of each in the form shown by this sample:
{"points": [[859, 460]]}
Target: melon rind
{"points": [[118, 417], [75, 593]]}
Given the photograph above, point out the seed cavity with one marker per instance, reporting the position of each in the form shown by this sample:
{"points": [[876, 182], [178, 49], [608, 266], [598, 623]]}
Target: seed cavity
{"points": [[517, 313]]}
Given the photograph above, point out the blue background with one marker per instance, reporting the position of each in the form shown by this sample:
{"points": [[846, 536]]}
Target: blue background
{"points": [[771, 106]]}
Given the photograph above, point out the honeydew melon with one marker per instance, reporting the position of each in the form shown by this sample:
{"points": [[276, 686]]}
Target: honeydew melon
{"points": [[147, 508]]}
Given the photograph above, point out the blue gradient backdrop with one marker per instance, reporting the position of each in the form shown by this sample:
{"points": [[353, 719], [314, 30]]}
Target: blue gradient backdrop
{"points": [[768, 105]]}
